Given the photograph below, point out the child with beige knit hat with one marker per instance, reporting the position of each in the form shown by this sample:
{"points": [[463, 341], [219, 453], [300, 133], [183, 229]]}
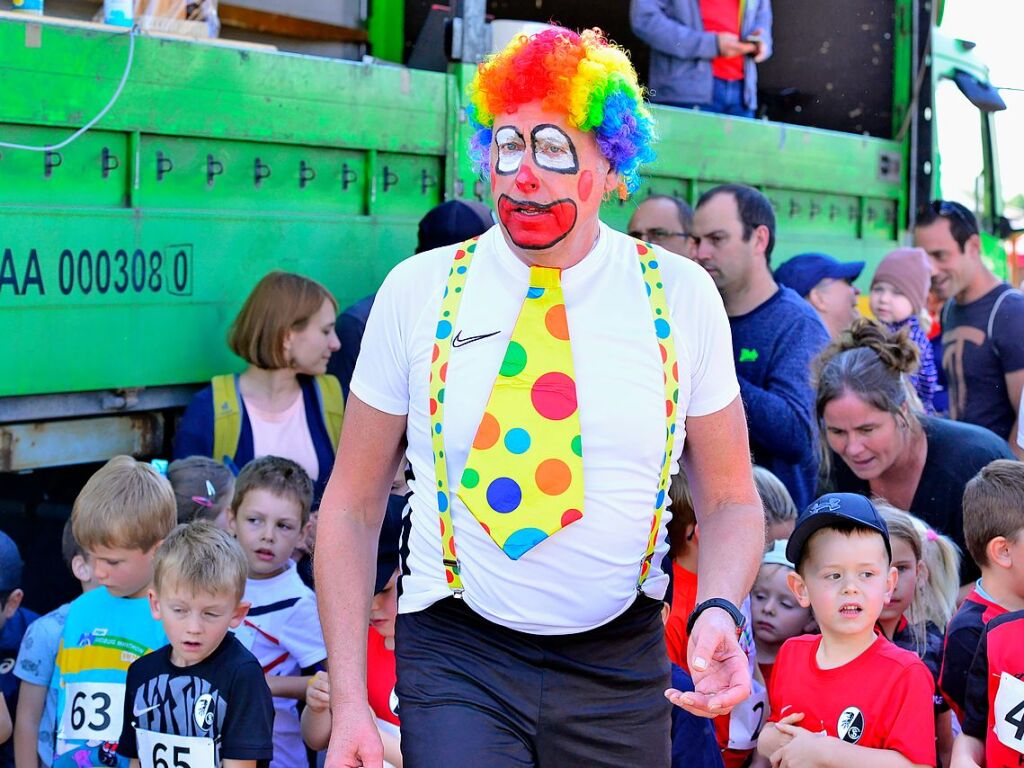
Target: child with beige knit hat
{"points": [[899, 291]]}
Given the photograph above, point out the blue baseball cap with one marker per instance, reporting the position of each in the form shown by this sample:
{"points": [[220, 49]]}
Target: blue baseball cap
{"points": [[453, 222], [803, 272], [843, 508], [10, 564], [388, 542]]}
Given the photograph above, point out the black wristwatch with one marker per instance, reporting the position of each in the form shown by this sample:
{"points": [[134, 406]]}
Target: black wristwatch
{"points": [[716, 602]]}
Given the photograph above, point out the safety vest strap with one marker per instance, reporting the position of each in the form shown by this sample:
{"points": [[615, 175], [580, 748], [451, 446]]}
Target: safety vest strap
{"points": [[227, 412], [332, 406], [227, 417]]}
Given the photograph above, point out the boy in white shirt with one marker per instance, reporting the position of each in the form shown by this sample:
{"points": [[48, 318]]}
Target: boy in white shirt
{"points": [[269, 514]]}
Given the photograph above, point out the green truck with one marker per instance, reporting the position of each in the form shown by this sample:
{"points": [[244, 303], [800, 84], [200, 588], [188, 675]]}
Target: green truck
{"points": [[126, 252]]}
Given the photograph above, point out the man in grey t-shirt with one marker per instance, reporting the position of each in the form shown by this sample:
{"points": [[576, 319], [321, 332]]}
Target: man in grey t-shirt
{"points": [[982, 322]]}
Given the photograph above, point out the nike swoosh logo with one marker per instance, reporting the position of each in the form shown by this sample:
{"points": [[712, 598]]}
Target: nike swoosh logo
{"points": [[138, 712], [459, 341]]}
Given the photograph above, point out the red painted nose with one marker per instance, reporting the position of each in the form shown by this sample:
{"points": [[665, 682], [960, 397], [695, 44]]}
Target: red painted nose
{"points": [[525, 180]]}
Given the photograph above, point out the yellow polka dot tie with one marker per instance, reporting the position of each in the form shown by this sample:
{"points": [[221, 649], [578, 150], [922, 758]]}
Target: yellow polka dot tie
{"points": [[523, 479]]}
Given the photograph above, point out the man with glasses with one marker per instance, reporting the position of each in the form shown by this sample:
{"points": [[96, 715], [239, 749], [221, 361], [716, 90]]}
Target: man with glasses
{"points": [[982, 322], [663, 220]]}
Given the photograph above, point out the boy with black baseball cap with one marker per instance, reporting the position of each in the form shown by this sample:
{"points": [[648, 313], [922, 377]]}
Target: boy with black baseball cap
{"points": [[871, 700]]}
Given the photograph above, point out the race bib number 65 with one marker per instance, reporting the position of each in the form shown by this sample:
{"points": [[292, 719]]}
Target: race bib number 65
{"points": [[92, 712], [1009, 712], [163, 750]]}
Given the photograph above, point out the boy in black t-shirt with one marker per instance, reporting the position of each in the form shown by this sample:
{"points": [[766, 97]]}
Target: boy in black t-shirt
{"points": [[202, 700]]}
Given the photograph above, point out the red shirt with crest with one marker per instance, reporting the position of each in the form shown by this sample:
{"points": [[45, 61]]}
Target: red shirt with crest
{"points": [[380, 676], [882, 699], [995, 704]]}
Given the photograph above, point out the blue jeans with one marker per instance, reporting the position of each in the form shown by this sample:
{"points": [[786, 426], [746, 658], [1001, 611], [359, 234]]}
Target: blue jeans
{"points": [[726, 99]]}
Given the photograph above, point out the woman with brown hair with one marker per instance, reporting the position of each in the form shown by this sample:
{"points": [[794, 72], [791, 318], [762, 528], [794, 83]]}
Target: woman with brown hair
{"points": [[283, 403], [877, 443]]}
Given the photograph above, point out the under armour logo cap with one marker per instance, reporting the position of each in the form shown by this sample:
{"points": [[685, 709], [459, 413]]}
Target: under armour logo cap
{"points": [[832, 509]]}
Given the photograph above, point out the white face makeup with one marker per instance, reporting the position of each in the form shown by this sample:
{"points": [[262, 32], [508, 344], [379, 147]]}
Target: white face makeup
{"points": [[553, 150], [511, 148]]}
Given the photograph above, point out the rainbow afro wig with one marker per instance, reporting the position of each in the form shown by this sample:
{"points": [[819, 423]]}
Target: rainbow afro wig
{"points": [[582, 75]]}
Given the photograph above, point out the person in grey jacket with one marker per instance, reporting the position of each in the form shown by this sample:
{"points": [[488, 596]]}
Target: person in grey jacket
{"points": [[705, 61]]}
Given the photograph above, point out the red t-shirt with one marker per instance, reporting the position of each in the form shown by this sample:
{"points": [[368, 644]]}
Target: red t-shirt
{"points": [[723, 16], [684, 598], [882, 699], [380, 676], [962, 636], [991, 696], [766, 668]]}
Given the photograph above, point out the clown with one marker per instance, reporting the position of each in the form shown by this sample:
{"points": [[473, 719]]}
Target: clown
{"points": [[542, 381]]}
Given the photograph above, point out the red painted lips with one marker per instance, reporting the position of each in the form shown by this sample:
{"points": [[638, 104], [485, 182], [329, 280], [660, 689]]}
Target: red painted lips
{"points": [[536, 226]]}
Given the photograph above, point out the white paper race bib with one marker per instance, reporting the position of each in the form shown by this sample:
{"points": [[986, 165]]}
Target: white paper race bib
{"points": [[162, 750], [1009, 712], [747, 719], [92, 712]]}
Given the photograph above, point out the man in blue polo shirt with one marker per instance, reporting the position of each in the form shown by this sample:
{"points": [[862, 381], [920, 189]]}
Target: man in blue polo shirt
{"points": [[827, 285]]}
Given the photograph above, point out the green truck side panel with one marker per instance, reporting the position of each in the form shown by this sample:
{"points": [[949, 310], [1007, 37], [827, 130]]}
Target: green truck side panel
{"points": [[124, 257], [218, 92]]}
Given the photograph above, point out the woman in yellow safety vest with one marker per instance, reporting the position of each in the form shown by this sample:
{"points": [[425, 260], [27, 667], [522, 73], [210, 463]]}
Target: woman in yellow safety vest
{"points": [[283, 403]]}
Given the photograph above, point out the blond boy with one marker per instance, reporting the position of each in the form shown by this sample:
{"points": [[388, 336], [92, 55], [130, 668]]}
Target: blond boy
{"points": [[201, 700], [120, 517], [848, 697]]}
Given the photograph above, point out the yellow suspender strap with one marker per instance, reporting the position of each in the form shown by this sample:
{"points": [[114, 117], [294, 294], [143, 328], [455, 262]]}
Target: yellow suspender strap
{"points": [[227, 417], [332, 406], [667, 349]]}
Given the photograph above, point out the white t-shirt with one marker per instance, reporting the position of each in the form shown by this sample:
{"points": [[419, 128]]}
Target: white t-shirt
{"points": [[283, 632], [585, 575], [284, 434]]}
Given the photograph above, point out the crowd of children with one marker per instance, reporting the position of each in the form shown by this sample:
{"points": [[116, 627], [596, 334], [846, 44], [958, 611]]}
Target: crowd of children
{"points": [[868, 651], [197, 642]]}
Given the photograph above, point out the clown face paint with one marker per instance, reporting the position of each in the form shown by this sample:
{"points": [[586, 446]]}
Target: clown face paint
{"points": [[547, 189], [510, 148], [553, 150], [536, 227]]}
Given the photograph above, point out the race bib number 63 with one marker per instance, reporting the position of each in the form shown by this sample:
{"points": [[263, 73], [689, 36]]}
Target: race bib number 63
{"points": [[92, 712]]}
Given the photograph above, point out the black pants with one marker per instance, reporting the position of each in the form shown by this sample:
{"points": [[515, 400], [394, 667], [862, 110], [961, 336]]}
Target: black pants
{"points": [[473, 694]]}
